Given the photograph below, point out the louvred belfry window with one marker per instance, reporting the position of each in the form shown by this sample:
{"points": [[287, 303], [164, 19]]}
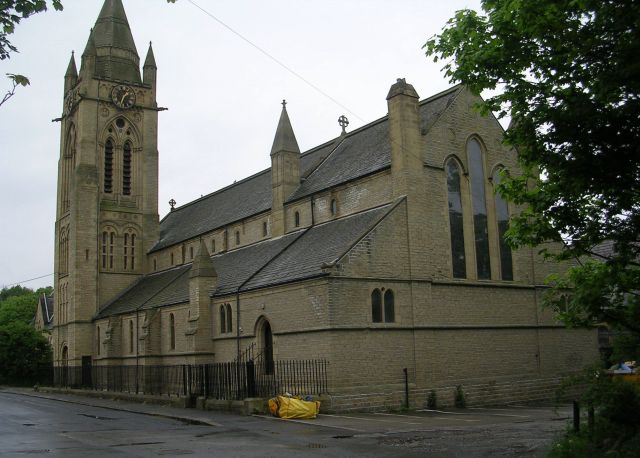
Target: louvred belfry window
{"points": [[108, 167], [126, 169]]}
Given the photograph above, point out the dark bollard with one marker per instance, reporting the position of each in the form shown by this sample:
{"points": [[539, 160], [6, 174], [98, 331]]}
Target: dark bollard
{"points": [[576, 417]]}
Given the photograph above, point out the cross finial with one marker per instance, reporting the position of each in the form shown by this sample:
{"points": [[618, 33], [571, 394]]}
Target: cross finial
{"points": [[344, 122], [172, 203], [284, 103]]}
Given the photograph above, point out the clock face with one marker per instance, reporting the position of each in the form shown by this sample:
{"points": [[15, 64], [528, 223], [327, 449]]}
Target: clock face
{"points": [[123, 96]]}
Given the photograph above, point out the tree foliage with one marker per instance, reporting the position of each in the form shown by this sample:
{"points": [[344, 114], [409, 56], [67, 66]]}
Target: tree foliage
{"points": [[12, 12], [567, 73], [24, 352]]}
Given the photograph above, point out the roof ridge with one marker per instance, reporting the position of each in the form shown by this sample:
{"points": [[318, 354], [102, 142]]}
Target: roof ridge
{"points": [[277, 255], [217, 191], [441, 94], [372, 226]]}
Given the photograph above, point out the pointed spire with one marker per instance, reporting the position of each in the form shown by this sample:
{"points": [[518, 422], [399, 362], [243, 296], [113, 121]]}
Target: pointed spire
{"points": [[117, 57], [285, 139], [90, 49], [150, 61], [112, 27], [202, 265], [72, 71]]}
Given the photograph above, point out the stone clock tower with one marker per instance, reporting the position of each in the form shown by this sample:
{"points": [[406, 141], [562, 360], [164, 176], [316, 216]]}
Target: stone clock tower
{"points": [[107, 201]]}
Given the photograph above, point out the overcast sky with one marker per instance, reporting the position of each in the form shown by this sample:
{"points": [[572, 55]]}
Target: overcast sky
{"points": [[223, 94]]}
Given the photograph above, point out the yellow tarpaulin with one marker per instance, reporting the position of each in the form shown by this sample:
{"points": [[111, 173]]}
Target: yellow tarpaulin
{"points": [[285, 407]]}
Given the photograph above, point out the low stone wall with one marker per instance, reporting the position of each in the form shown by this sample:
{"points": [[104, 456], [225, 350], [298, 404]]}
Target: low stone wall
{"points": [[481, 394]]}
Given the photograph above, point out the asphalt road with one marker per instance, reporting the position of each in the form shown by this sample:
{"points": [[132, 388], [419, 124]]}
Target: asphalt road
{"points": [[40, 427]]}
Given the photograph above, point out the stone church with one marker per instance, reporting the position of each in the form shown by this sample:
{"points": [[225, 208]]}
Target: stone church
{"points": [[380, 250]]}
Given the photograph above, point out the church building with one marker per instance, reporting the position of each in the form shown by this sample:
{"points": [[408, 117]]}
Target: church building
{"points": [[381, 250]]}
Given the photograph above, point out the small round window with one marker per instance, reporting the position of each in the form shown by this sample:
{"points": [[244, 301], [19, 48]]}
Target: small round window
{"points": [[119, 123]]}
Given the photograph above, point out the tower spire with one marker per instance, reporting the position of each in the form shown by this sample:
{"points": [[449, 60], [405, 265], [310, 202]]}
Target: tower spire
{"points": [[117, 56]]}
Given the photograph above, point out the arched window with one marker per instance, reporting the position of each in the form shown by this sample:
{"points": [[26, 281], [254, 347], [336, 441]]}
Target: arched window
{"points": [[98, 340], [237, 237], [108, 167], [376, 306], [130, 250], [229, 319], [334, 207], [389, 307], [171, 258], [502, 217], [478, 199], [190, 252], [131, 336], [456, 227], [107, 248], [126, 169], [172, 332], [223, 320], [155, 264], [296, 219]]}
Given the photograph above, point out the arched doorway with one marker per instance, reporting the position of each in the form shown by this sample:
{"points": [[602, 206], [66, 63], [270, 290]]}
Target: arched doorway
{"points": [[264, 341]]}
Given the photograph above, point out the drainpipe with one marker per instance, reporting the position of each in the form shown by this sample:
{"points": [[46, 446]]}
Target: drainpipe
{"points": [[137, 343], [313, 206]]}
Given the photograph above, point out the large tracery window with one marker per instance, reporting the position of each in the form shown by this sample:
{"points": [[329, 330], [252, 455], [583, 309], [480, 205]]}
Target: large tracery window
{"points": [[456, 227], [126, 169], [108, 167], [479, 207], [502, 220]]}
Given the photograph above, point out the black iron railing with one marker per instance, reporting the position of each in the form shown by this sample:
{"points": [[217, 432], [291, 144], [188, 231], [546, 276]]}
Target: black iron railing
{"points": [[232, 380]]}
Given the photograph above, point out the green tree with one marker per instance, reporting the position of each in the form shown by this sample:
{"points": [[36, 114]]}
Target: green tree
{"points": [[567, 73], [11, 13], [24, 352]]}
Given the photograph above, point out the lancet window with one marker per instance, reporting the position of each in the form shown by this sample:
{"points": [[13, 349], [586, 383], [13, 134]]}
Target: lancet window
{"points": [[456, 223], [479, 208]]}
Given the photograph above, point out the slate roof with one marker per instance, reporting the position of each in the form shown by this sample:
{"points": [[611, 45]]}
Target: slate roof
{"points": [[153, 290], [293, 257], [321, 244], [112, 31], [361, 152]]}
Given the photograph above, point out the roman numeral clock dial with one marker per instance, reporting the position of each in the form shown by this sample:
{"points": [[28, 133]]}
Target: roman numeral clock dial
{"points": [[123, 96]]}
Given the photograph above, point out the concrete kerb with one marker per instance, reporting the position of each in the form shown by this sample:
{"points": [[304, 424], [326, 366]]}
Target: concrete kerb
{"points": [[147, 405]]}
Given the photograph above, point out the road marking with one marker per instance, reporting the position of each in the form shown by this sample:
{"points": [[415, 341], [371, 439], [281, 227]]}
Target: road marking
{"points": [[362, 418]]}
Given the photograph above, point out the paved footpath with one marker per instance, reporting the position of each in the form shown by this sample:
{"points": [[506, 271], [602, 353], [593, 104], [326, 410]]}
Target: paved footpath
{"points": [[513, 431]]}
